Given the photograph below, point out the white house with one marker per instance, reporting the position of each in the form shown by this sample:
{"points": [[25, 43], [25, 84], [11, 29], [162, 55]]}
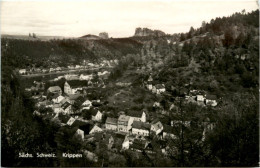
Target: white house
{"points": [[124, 123], [57, 99], [54, 89], [95, 129], [22, 71], [211, 100], [126, 143], [57, 108], [156, 127], [85, 77], [80, 133], [160, 88], [87, 104], [137, 116], [71, 121], [66, 107], [96, 115], [71, 87], [200, 98]]}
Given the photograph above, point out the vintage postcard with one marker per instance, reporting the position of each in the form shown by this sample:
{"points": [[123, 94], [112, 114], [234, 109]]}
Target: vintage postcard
{"points": [[129, 83]]}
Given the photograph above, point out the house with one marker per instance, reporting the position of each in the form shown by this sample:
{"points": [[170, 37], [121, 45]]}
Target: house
{"points": [[69, 77], [54, 90], [111, 124], [168, 132], [57, 99], [73, 98], [58, 69], [96, 115], [66, 107], [160, 88], [22, 71], [200, 98], [126, 143], [156, 127], [80, 133], [137, 116], [71, 87], [85, 77], [124, 123], [71, 121], [140, 128], [63, 119], [57, 108], [211, 100], [86, 104], [179, 122], [52, 69], [95, 129], [138, 145]]}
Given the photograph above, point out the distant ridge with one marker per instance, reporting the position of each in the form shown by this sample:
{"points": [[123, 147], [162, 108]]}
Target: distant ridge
{"points": [[90, 37]]}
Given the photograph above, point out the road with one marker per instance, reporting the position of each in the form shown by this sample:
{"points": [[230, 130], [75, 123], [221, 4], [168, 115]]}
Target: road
{"points": [[62, 72]]}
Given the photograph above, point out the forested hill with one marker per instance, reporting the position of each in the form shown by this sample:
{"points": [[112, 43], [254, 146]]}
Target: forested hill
{"points": [[25, 53]]}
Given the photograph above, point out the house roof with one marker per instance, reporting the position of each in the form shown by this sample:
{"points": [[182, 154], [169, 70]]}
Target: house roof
{"points": [[135, 114], [94, 112], [123, 118], [141, 125], [54, 89], [74, 96], [65, 105], [63, 118], [157, 125], [138, 144], [111, 121], [78, 124], [86, 127], [211, 97], [77, 83], [160, 86]]}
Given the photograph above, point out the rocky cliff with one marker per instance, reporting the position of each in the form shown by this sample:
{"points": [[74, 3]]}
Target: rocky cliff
{"points": [[148, 32]]}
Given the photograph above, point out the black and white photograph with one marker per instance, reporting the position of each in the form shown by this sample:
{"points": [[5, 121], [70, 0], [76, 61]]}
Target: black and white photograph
{"points": [[129, 83]]}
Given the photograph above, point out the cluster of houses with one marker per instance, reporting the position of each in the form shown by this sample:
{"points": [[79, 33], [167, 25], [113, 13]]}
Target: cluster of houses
{"points": [[201, 98], [155, 88], [84, 65]]}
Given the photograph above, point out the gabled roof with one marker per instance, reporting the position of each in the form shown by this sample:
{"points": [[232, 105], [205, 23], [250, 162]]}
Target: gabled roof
{"points": [[77, 83], [159, 86], [65, 105], [63, 118], [135, 114], [86, 127], [123, 118], [78, 123], [157, 125], [139, 144], [94, 112], [111, 121], [211, 97], [141, 125], [54, 89], [74, 96]]}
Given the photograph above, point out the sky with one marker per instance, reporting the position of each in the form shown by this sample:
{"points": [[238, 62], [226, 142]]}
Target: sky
{"points": [[118, 18]]}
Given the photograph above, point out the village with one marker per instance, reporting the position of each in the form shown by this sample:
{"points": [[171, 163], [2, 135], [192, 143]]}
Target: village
{"points": [[72, 106]]}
